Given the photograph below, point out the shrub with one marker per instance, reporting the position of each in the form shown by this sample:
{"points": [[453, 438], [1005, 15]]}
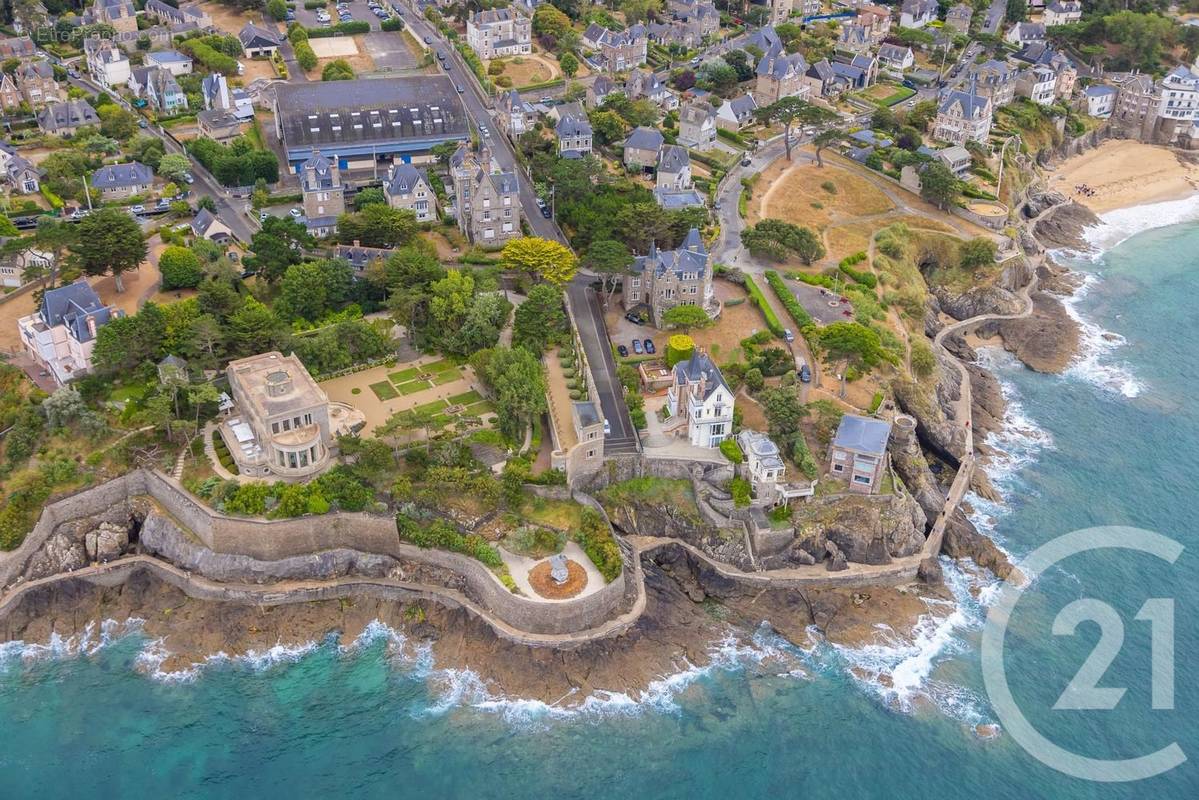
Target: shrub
{"points": [[802, 457], [397, 24], [597, 542], [180, 268], [829, 187], [732, 451], [802, 318], [305, 55], [679, 347], [740, 489], [755, 293]]}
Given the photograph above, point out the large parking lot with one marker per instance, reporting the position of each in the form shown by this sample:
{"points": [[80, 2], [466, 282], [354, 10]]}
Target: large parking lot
{"points": [[357, 9], [390, 51]]}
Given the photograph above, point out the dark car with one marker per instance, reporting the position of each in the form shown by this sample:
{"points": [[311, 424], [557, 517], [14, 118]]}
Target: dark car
{"points": [[428, 40], [624, 351], [546, 211], [637, 348], [633, 318], [649, 346], [805, 374]]}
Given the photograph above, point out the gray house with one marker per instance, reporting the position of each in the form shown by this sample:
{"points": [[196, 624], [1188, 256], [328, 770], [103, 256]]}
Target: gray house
{"points": [[118, 181], [641, 148], [64, 119], [859, 452]]}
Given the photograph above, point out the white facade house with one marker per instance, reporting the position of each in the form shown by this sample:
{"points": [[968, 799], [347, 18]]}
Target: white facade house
{"points": [[896, 58], [917, 13], [700, 394], [499, 32], [61, 334], [107, 63], [765, 469], [1100, 100], [1062, 12], [1178, 95], [1038, 84]]}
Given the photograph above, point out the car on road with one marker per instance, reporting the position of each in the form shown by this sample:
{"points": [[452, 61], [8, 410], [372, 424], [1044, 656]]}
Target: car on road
{"points": [[805, 374], [72, 72], [262, 216], [296, 213], [788, 336], [138, 209], [637, 348], [428, 40], [441, 55], [546, 101], [460, 89], [188, 178], [141, 123], [745, 162], [79, 213], [649, 346], [622, 350], [607, 428]]}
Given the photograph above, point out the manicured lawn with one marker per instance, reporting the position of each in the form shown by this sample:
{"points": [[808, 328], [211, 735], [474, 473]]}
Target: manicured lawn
{"points": [[466, 398], [479, 409], [384, 390], [449, 376], [124, 394], [412, 387], [436, 405], [404, 374], [438, 366]]}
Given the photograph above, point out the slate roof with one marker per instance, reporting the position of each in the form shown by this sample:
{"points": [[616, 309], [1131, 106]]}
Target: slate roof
{"points": [[71, 305], [700, 367], [691, 256], [403, 178], [673, 158], [202, 221], [777, 64], [972, 105], [644, 138], [1099, 90], [253, 36], [317, 173], [163, 57], [425, 107], [743, 106], [862, 434], [571, 125], [119, 176], [71, 114], [893, 52]]}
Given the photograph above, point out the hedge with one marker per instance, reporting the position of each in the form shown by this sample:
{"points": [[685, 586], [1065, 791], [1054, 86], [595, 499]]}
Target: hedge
{"points": [[54, 200], [755, 293], [305, 55], [802, 318], [731, 136], [313, 5], [210, 57], [340, 29], [393, 24], [860, 276], [732, 451]]}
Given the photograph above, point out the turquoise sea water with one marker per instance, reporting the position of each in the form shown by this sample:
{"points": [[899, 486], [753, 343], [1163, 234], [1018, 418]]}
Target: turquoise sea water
{"points": [[768, 721]]}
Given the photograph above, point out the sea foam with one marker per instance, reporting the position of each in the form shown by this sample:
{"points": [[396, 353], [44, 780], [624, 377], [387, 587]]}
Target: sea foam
{"points": [[1116, 227]]}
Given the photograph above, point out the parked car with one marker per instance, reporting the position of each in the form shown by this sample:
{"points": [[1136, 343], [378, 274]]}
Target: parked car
{"points": [[138, 209], [233, 256], [428, 40], [163, 204], [296, 213], [637, 348], [262, 216], [649, 346], [745, 162], [624, 351], [188, 178], [805, 374], [546, 212], [633, 318], [607, 428], [441, 55], [141, 123], [72, 72], [788, 336]]}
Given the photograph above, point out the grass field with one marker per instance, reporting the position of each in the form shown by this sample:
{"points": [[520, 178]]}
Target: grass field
{"points": [[800, 195], [384, 390]]}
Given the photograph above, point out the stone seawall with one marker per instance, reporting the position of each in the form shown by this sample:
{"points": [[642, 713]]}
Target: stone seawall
{"points": [[307, 547]]}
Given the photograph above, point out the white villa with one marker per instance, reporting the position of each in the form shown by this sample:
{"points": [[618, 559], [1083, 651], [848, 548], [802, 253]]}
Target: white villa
{"points": [[700, 393], [60, 336], [765, 470], [279, 425]]}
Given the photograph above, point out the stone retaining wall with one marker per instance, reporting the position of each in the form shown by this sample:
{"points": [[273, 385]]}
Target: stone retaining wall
{"points": [[279, 540]]}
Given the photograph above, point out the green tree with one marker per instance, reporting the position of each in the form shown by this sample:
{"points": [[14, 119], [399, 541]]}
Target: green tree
{"points": [[938, 185], [180, 268], [174, 166], [549, 21], [377, 226], [108, 241], [116, 122], [1017, 10], [977, 252], [540, 321], [279, 244], [125, 343], [611, 260], [254, 328], [855, 344], [277, 9], [547, 259], [922, 114], [775, 239], [608, 126], [791, 111], [686, 317], [372, 195], [338, 70], [311, 289], [517, 382], [569, 64], [639, 10]]}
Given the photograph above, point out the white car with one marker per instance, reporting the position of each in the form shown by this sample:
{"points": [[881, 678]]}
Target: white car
{"points": [[138, 209], [296, 213]]}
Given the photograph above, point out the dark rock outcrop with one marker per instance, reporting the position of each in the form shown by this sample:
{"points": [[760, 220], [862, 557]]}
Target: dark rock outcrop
{"points": [[1046, 340], [726, 544], [962, 540], [866, 529], [934, 405], [1063, 227], [993, 299], [930, 571]]}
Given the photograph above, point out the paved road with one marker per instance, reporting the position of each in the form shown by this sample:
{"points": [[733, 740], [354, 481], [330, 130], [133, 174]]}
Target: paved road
{"points": [[588, 315]]}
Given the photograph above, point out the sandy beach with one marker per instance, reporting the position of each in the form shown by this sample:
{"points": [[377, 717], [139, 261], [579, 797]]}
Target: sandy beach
{"points": [[1122, 174]]}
